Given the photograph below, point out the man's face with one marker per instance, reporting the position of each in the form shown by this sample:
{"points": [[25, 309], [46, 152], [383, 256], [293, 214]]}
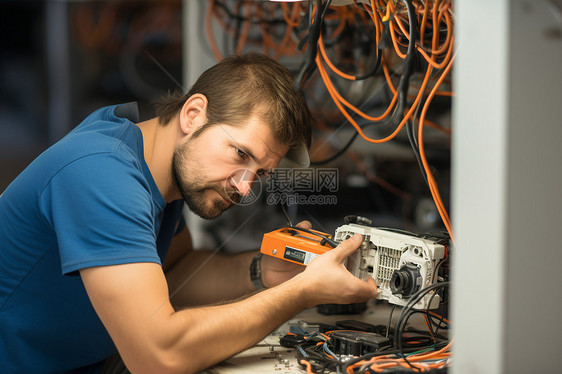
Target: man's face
{"points": [[214, 169]]}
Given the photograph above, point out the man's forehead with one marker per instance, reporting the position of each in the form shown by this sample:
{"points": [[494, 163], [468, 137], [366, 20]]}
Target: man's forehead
{"points": [[255, 138]]}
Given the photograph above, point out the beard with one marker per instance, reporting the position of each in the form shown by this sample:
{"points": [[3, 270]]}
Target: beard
{"points": [[197, 194]]}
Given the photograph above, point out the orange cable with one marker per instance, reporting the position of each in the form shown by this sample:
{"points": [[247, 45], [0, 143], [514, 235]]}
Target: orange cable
{"points": [[430, 179], [245, 28], [394, 41], [94, 31], [329, 63], [336, 97], [424, 21], [286, 42], [209, 29], [339, 98], [437, 126], [379, 363], [376, 20], [427, 324], [438, 316], [447, 56], [437, 51], [290, 20], [381, 182], [435, 25], [308, 366], [387, 75]]}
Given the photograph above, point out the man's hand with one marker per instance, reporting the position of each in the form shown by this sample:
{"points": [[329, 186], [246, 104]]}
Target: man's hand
{"points": [[276, 271], [328, 281]]}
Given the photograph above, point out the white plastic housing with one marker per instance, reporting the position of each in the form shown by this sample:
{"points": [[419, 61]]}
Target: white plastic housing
{"points": [[383, 252]]}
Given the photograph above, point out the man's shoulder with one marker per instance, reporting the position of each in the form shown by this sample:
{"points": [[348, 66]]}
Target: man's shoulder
{"points": [[105, 129], [101, 133], [99, 142]]}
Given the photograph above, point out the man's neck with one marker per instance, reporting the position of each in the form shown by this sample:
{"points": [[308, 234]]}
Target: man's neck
{"points": [[159, 144]]}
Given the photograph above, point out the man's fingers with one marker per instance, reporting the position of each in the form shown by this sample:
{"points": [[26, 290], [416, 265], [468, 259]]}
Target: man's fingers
{"points": [[373, 284], [304, 225], [347, 247]]}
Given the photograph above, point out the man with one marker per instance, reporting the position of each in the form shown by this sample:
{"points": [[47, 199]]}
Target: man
{"points": [[95, 258]]}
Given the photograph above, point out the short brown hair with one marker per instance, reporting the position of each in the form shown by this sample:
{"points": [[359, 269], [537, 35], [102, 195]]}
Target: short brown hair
{"points": [[241, 85]]}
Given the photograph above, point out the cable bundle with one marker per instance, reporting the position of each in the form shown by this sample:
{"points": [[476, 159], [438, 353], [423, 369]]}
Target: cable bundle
{"points": [[398, 21], [404, 45], [404, 48], [269, 26], [413, 350]]}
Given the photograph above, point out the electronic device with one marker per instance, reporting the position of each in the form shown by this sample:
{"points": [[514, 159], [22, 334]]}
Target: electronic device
{"points": [[296, 245], [357, 343], [401, 263]]}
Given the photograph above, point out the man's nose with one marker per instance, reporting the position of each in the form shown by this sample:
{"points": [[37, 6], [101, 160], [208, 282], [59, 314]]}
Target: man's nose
{"points": [[242, 181]]}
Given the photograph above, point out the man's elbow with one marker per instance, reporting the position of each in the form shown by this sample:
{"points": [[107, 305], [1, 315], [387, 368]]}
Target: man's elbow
{"points": [[164, 362]]}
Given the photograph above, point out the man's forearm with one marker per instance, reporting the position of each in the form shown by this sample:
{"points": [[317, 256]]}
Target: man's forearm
{"points": [[221, 331], [205, 277], [152, 336]]}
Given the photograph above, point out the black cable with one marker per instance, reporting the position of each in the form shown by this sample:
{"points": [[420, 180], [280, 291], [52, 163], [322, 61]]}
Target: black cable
{"points": [[409, 60], [339, 37], [240, 18], [438, 326], [432, 319], [398, 231], [226, 39], [326, 6], [324, 240], [309, 64], [289, 223], [338, 153], [341, 151], [373, 70], [406, 313], [316, 357], [390, 320], [426, 333], [412, 139], [283, 208], [366, 357], [379, 55], [441, 237], [237, 31], [407, 310], [414, 144], [409, 63], [321, 363]]}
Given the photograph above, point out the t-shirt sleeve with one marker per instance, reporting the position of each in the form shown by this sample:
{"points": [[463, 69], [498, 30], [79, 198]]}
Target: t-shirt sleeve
{"points": [[102, 212]]}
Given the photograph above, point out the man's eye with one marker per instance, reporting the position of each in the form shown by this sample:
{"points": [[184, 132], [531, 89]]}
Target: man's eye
{"points": [[262, 172], [241, 154]]}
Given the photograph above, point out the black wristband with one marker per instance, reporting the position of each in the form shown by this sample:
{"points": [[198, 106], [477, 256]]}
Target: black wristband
{"points": [[255, 272]]}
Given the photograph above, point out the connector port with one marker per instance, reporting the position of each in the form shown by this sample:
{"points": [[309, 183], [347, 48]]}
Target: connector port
{"points": [[404, 281]]}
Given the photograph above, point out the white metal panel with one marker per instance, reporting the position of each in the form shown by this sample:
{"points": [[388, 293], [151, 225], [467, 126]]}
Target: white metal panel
{"points": [[506, 187]]}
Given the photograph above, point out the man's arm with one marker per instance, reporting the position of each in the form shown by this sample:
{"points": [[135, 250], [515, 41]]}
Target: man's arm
{"points": [[201, 277], [132, 302], [206, 277]]}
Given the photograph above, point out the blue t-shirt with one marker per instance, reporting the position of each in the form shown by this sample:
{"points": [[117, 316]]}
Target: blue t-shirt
{"points": [[89, 200]]}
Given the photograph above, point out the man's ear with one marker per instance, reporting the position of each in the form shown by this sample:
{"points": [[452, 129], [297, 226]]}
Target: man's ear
{"points": [[193, 113]]}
